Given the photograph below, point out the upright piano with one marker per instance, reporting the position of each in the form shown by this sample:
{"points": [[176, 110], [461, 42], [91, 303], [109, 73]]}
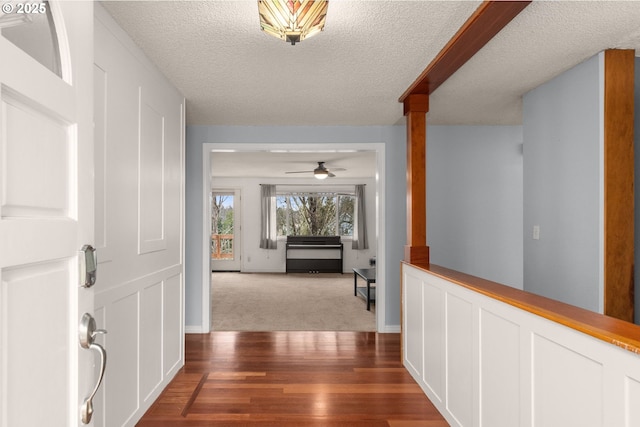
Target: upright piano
{"points": [[299, 262]]}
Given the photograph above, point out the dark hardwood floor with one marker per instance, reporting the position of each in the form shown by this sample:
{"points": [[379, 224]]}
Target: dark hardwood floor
{"points": [[287, 379]]}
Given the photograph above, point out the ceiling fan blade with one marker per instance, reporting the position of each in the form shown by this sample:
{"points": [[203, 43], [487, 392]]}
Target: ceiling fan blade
{"points": [[322, 169]]}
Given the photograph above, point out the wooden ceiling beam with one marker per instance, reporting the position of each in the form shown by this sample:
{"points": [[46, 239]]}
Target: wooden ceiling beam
{"points": [[485, 23], [491, 17]]}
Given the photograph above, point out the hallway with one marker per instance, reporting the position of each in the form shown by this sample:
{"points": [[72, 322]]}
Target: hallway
{"points": [[289, 379]]}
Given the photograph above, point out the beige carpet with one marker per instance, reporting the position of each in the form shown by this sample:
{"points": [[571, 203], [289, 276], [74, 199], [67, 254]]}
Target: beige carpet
{"points": [[288, 302]]}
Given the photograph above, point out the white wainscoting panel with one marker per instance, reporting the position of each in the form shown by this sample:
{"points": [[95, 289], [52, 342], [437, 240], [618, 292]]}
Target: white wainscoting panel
{"points": [[413, 333], [144, 317], [150, 339], [173, 336], [140, 196], [567, 386], [499, 358], [122, 377], [151, 178], [632, 397], [434, 343], [459, 333], [507, 367]]}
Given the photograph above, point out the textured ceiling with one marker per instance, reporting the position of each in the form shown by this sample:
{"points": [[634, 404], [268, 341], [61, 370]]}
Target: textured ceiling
{"points": [[370, 52], [546, 39]]}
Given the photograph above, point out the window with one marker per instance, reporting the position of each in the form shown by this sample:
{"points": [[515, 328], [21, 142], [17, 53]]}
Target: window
{"points": [[31, 27], [315, 214]]}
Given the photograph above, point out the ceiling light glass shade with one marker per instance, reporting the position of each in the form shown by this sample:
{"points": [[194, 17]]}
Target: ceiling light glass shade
{"points": [[292, 20], [321, 171]]}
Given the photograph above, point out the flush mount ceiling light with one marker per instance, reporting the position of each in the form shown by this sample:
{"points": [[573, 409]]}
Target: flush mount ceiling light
{"points": [[292, 20]]}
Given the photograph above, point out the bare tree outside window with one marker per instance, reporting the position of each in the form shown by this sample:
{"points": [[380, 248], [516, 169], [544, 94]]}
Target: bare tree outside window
{"points": [[222, 221], [346, 212], [315, 214]]}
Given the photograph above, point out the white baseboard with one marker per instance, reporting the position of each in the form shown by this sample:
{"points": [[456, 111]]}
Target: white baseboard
{"points": [[388, 329], [193, 329], [391, 329]]}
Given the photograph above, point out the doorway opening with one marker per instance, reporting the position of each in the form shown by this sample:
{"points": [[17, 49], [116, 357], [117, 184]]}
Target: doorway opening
{"points": [[254, 260]]}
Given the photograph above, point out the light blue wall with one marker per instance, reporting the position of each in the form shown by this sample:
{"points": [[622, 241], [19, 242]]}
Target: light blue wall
{"points": [[636, 138], [482, 192], [395, 210], [474, 206], [562, 187], [474, 200]]}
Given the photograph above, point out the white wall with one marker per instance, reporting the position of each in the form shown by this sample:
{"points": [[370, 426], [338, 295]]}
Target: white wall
{"points": [[474, 200], [139, 127], [483, 362], [562, 128], [394, 208], [254, 259]]}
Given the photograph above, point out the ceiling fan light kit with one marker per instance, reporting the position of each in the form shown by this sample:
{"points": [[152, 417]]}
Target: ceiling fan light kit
{"points": [[321, 172], [292, 20]]}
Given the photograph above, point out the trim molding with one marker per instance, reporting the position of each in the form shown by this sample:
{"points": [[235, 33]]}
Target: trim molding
{"points": [[605, 328], [193, 329], [378, 147], [391, 329]]}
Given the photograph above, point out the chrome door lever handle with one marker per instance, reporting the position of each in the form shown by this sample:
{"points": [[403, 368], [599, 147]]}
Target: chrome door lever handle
{"points": [[98, 332], [87, 406], [88, 332], [87, 335]]}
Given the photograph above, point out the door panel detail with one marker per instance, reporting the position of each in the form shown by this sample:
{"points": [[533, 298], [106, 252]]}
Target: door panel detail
{"points": [[151, 177], [34, 136], [22, 369]]}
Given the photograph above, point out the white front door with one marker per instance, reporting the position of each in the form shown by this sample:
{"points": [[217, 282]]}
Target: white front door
{"points": [[46, 210], [225, 230]]}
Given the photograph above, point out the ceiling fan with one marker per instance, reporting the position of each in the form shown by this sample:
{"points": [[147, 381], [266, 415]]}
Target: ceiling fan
{"points": [[321, 172]]}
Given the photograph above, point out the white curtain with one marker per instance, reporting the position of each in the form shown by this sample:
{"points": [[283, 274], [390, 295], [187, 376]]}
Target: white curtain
{"points": [[360, 240], [268, 238]]}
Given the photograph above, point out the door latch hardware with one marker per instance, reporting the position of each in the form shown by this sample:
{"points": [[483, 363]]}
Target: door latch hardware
{"points": [[88, 266], [87, 335]]}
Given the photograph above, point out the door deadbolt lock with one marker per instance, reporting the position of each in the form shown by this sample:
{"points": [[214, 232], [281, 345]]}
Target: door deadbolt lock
{"points": [[88, 266]]}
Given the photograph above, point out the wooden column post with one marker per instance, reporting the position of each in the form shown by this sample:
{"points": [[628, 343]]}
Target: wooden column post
{"points": [[415, 109], [618, 184]]}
